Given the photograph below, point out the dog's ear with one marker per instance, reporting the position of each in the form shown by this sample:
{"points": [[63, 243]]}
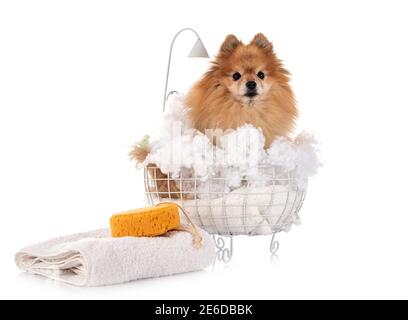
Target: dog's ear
{"points": [[230, 43], [262, 42]]}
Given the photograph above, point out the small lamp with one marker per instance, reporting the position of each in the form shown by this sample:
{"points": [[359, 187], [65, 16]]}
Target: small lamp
{"points": [[198, 51]]}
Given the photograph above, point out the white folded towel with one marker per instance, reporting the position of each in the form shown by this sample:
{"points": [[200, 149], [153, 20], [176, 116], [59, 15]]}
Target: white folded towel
{"points": [[95, 258]]}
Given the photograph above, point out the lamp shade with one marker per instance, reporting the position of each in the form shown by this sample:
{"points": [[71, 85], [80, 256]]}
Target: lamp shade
{"points": [[198, 51]]}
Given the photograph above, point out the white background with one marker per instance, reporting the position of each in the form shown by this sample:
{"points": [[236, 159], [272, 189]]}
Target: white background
{"points": [[80, 81]]}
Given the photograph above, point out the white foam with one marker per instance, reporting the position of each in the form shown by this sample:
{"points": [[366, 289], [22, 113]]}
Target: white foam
{"points": [[238, 155]]}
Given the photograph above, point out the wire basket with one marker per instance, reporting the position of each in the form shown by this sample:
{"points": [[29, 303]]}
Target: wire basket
{"points": [[262, 207]]}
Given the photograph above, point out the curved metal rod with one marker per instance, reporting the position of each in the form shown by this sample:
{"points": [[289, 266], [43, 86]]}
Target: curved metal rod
{"points": [[224, 252], [274, 246], [169, 62], [171, 93]]}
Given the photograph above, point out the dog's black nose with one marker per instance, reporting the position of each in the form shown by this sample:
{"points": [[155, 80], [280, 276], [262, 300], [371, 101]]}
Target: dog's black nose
{"points": [[251, 85]]}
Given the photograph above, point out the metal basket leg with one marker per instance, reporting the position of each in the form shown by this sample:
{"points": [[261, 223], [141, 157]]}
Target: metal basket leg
{"points": [[274, 247], [224, 250]]}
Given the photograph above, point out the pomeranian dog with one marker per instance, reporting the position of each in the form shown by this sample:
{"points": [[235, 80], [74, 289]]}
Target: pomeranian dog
{"points": [[246, 84]]}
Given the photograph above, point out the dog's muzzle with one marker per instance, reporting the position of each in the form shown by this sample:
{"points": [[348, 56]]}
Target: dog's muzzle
{"points": [[251, 89]]}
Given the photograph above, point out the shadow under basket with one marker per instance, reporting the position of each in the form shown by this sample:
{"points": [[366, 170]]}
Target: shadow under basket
{"points": [[263, 205]]}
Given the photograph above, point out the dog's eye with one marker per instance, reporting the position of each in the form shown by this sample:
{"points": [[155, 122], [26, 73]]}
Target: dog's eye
{"points": [[261, 75], [236, 76]]}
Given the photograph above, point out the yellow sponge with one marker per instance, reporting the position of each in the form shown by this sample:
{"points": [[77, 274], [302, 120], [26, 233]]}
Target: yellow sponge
{"points": [[145, 222]]}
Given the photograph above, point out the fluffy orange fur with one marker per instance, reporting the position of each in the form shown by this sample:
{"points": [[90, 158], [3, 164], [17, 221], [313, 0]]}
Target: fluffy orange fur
{"points": [[217, 101]]}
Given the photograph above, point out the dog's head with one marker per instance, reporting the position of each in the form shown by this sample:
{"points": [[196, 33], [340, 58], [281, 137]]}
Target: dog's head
{"points": [[250, 72]]}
